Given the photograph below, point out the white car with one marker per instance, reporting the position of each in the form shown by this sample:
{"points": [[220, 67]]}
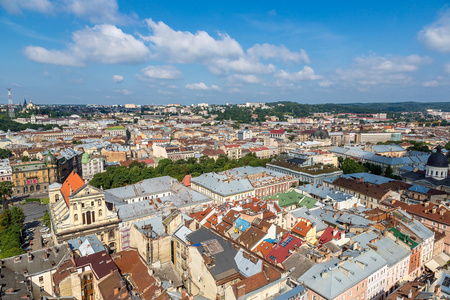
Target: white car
{"points": [[45, 230]]}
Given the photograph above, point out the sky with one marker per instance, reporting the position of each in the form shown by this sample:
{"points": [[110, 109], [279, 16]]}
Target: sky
{"points": [[161, 52]]}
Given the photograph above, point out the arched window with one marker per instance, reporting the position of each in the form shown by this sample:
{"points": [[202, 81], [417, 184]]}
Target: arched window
{"points": [[84, 218], [93, 216], [38, 187], [75, 217], [31, 188], [88, 218], [74, 206], [100, 213], [56, 197]]}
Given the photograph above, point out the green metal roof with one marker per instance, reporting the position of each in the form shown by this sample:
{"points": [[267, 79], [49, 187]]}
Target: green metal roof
{"points": [[308, 202], [404, 238], [287, 198]]}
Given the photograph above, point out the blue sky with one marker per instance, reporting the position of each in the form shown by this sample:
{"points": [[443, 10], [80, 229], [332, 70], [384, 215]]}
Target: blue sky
{"points": [[117, 52]]}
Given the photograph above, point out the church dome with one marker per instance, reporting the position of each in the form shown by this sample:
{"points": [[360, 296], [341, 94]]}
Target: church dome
{"points": [[438, 159], [85, 158], [321, 134], [50, 159]]}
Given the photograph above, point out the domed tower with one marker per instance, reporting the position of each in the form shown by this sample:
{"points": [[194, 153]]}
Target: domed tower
{"points": [[437, 165], [320, 134], [50, 159], [85, 158]]}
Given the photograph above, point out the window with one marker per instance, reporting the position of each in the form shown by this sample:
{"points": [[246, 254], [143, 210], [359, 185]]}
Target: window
{"points": [[111, 235], [100, 213], [41, 289], [444, 226], [434, 223], [92, 203], [75, 217], [99, 202], [56, 197], [82, 204], [41, 279], [74, 206]]}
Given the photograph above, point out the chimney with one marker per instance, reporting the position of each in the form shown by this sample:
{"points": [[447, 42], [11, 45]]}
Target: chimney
{"points": [[30, 257], [45, 256], [241, 291], [437, 290]]}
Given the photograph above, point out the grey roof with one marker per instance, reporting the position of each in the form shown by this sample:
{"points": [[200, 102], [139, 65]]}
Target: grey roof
{"points": [[38, 264], [155, 222], [225, 265], [145, 187], [226, 187], [15, 280], [297, 264], [387, 248], [246, 266], [181, 233], [86, 245], [333, 277], [369, 178], [305, 213], [312, 189], [387, 148], [135, 210]]}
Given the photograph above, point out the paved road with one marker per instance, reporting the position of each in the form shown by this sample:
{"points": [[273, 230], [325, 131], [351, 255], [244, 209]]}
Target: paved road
{"points": [[33, 211]]}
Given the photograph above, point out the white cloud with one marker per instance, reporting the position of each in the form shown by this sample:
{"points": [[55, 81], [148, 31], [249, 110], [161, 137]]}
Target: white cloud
{"points": [[436, 35], [54, 57], [431, 83], [326, 83], [17, 6], [164, 92], [97, 11], [307, 73], [117, 78], [447, 68], [200, 86], [240, 78], [161, 72], [374, 69], [102, 43], [281, 53], [123, 92], [186, 47], [241, 65]]}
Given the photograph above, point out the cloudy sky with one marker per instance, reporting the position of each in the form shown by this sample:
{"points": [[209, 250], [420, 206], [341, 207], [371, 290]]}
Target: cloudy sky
{"points": [[135, 51]]}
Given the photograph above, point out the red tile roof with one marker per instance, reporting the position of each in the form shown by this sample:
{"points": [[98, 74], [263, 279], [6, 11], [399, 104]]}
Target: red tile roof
{"points": [[283, 249], [72, 184], [128, 262], [327, 235], [301, 228], [428, 210], [100, 262], [264, 247], [277, 131]]}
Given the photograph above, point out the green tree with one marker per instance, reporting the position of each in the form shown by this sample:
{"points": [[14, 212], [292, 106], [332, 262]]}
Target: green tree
{"points": [[447, 146], [5, 153], [25, 158], [6, 190], [46, 220], [350, 166], [388, 172], [17, 215], [291, 137]]}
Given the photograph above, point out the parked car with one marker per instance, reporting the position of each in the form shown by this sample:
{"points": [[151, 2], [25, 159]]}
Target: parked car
{"points": [[45, 230]]}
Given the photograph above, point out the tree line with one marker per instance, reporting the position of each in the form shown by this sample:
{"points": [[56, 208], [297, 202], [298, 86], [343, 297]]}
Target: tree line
{"points": [[118, 176]]}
